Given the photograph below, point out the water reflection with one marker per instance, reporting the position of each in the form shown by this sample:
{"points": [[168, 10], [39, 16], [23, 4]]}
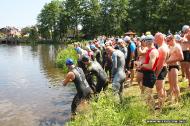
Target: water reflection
{"points": [[28, 96], [47, 59]]}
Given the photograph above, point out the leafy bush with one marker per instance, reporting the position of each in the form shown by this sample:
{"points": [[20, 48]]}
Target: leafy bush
{"points": [[62, 55]]}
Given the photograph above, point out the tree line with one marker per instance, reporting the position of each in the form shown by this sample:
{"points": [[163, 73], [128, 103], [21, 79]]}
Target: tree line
{"points": [[59, 19]]}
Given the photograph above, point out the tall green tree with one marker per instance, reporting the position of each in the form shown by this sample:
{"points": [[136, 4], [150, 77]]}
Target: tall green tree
{"points": [[158, 15], [91, 19], [114, 14], [111, 17], [63, 22], [25, 30], [176, 14], [74, 13], [48, 20], [143, 15], [33, 34]]}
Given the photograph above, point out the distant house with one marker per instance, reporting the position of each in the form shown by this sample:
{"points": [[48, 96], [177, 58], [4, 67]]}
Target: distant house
{"points": [[10, 31]]}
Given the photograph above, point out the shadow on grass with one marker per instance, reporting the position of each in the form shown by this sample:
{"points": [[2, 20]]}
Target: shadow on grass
{"points": [[182, 89], [184, 102], [185, 97]]}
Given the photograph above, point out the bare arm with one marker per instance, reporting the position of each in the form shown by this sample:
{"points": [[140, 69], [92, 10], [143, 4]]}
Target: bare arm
{"points": [[141, 51], [178, 56], [162, 58], [69, 77]]}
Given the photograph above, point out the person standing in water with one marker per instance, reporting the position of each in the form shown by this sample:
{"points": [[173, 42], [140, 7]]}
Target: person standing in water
{"points": [[77, 76]]}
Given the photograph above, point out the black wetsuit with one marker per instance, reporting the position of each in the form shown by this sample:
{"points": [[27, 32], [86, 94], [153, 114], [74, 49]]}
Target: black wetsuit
{"points": [[104, 58], [83, 89], [82, 65], [107, 64], [97, 55], [95, 69]]}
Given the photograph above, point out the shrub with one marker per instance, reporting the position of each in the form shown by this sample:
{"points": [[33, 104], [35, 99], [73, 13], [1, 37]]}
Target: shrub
{"points": [[62, 55]]}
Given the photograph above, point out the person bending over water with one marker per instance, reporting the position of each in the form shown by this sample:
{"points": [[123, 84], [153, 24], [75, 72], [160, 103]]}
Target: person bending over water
{"points": [[77, 76], [95, 69]]}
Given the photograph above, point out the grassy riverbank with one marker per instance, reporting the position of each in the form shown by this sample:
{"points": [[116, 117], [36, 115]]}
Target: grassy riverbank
{"points": [[133, 111]]}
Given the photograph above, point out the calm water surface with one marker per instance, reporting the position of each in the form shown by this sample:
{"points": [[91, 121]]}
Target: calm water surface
{"points": [[30, 90]]}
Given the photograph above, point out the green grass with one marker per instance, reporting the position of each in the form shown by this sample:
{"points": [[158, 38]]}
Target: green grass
{"points": [[63, 54], [132, 112]]}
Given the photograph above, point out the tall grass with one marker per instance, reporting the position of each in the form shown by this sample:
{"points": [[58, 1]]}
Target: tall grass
{"points": [[62, 55], [107, 112], [132, 112]]}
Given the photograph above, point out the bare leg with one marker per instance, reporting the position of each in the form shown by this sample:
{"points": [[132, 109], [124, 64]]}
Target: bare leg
{"points": [[187, 72], [171, 85], [139, 80], [161, 92], [149, 98], [183, 70], [174, 81], [132, 75]]}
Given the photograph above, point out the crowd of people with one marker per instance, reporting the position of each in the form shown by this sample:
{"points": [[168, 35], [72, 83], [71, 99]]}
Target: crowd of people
{"points": [[117, 60]]}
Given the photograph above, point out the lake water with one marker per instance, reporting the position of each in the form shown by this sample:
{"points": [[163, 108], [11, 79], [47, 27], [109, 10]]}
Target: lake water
{"points": [[31, 93]]}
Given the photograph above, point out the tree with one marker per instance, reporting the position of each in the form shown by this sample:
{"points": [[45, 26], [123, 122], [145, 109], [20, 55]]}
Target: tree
{"points": [[158, 15], [143, 15], [63, 22], [176, 13], [73, 10], [111, 17], [25, 31], [91, 19], [48, 20], [114, 14], [33, 34]]}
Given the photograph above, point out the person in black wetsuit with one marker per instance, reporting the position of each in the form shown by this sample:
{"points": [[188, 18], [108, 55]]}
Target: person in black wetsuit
{"points": [[107, 63], [80, 53], [95, 69], [97, 53], [77, 76]]}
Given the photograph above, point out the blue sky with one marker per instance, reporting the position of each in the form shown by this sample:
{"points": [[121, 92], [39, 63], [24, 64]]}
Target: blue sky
{"points": [[20, 13]]}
